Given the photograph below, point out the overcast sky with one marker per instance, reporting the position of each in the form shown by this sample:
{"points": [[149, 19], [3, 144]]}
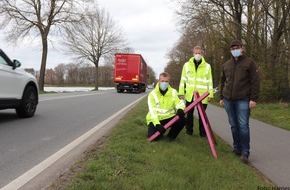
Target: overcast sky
{"points": [[149, 27]]}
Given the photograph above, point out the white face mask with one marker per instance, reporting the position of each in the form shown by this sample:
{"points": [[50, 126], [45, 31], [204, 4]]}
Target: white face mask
{"points": [[163, 85], [197, 57], [236, 52]]}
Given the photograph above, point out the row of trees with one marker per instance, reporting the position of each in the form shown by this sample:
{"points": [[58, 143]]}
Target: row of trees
{"points": [[88, 32], [262, 25], [83, 74]]}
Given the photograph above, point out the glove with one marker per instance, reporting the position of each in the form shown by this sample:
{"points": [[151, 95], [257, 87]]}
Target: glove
{"points": [[161, 129], [180, 113]]}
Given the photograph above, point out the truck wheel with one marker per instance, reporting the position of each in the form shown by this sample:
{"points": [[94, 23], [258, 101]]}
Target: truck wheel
{"points": [[28, 103], [139, 89], [119, 91]]}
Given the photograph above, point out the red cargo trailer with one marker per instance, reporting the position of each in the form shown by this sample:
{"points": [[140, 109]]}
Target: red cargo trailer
{"points": [[130, 72]]}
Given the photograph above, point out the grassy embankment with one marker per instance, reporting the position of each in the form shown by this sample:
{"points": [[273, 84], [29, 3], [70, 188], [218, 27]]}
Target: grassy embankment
{"points": [[276, 114], [125, 160]]}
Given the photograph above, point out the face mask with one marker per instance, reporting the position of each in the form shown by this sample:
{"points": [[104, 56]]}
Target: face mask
{"points": [[236, 52], [197, 57], [163, 86]]}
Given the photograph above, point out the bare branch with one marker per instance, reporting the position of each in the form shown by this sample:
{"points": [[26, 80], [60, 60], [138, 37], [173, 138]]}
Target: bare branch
{"points": [[26, 18], [95, 36]]}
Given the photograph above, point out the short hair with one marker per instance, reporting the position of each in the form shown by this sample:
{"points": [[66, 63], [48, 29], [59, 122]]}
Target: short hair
{"points": [[197, 47], [164, 74]]}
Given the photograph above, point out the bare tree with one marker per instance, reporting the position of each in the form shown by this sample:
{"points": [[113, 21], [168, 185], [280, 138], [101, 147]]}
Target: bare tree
{"points": [[85, 71], [37, 18], [49, 77], [72, 74], [151, 75], [94, 37], [59, 72]]}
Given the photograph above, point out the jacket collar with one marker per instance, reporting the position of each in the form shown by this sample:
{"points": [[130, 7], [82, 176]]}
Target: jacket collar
{"points": [[156, 89], [191, 60], [241, 57]]}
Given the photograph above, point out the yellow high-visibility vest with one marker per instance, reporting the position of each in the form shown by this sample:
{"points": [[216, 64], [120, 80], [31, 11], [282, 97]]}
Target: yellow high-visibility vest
{"points": [[199, 79], [163, 107]]}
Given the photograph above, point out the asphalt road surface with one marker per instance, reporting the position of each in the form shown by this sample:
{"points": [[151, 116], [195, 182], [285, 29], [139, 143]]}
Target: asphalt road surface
{"points": [[62, 122]]}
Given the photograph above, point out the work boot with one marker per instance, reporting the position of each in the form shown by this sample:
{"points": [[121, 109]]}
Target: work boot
{"points": [[237, 152], [244, 159], [171, 139], [202, 135], [189, 132]]}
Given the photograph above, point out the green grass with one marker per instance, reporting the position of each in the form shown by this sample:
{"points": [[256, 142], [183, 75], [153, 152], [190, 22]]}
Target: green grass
{"points": [[126, 161], [276, 114]]}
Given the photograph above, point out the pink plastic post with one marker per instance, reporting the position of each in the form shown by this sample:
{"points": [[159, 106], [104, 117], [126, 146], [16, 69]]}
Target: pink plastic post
{"points": [[207, 127]]}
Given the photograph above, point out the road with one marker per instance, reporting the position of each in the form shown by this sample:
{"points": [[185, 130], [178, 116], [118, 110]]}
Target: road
{"points": [[60, 119]]}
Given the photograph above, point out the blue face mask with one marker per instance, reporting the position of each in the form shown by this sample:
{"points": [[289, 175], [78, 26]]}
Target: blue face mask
{"points": [[163, 85], [236, 52]]}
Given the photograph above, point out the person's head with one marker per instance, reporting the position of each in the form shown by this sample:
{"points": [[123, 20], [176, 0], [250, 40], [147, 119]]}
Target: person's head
{"points": [[236, 48], [197, 53], [163, 81]]}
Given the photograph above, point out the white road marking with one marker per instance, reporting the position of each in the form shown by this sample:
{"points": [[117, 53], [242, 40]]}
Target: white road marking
{"points": [[69, 96], [33, 172]]}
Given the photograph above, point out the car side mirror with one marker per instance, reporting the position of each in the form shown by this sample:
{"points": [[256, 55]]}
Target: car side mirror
{"points": [[16, 63]]}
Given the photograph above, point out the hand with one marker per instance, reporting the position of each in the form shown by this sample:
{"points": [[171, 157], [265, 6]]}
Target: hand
{"points": [[252, 104], [222, 103], [160, 128], [180, 113], [181, 97]]}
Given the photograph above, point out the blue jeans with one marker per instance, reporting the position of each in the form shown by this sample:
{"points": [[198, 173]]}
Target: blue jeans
{"points": [[239, 113]]}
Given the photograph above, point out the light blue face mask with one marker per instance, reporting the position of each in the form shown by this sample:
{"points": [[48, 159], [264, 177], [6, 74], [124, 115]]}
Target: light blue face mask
{"points": [[236, 52], [163, 85]]}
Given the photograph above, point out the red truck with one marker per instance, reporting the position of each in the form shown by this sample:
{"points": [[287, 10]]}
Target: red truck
{"points": [[130, 72]]}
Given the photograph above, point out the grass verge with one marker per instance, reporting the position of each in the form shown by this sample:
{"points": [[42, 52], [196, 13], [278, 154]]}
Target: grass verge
{"points": [[125, 160], [276, 114]]}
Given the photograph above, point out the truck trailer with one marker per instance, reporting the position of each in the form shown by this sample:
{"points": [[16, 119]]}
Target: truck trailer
{"points": [[130, 73]]}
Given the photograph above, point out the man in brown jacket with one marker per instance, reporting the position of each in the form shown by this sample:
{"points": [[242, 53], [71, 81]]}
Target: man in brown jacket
{"points": [[239, 92]]}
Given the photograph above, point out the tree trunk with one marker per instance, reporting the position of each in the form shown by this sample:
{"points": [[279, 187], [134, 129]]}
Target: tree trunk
{"points": [[238, 19], [278, 30], [96, 76], [43, 64]]}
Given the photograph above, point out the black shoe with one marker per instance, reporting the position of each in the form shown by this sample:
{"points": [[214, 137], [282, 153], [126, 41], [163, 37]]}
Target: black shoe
{"points": [[171, 139], [202, 135], [189, 133], [244, 159], [237, 152]]}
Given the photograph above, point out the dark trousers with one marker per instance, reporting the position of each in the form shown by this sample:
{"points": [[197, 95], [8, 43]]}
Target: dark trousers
{"points": [[190, 123], [173, 131]]}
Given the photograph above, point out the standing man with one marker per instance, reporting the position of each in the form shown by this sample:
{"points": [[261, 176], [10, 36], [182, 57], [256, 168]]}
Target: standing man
{"points": [[196, 76], [164, 104], [239, 92]]}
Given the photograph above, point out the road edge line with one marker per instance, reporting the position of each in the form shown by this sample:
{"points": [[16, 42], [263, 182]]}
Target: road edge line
{"points": [[36, 170]]}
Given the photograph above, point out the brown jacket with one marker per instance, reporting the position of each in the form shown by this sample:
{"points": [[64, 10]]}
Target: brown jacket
{"points": [[240, 79]]}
